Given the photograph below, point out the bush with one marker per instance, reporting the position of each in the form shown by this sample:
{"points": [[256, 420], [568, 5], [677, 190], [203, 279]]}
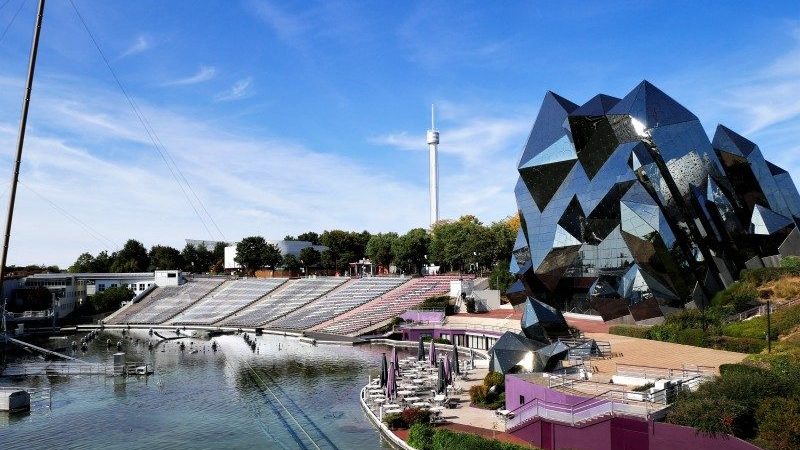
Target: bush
{"points": [[709, 415], [778, 424], [692, 336], [394, 421], [787, 288], [420, 436], [739, 296], [495, 379], [764, 275], [629, 330], [444, 439], [471, 306], [734, 344], [415, 415], [436, 302], [477, 394], [439, 340], [643, 388], [791, 263]]}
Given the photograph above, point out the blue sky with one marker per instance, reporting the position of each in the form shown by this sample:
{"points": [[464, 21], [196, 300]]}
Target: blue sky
{"points": [[295, 116]]}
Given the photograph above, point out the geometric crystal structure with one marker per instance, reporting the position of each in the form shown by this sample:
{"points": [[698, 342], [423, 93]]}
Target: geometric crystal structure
{"points": [[509, 350], [541, 322], [628, 210]]}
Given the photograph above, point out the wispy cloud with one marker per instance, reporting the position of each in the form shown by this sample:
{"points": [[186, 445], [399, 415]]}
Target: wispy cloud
{"points": [[287, 26], [241, 89], [248, 183], [203, 74], [140, 45]]}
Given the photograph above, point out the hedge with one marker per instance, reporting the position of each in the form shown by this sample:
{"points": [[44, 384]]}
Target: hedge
{"points": [[629, 330], [420, 436], [444, 439], [736, 344]]}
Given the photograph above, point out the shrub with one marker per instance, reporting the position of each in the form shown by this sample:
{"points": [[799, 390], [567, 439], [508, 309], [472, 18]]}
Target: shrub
{"points": [[439, 340], [734, 344], [739, 296], [787, 288], [708, 415], [444, 439], [394, 421], [495, 379], [477, 394], [766, 274], [471, 306], [629, 330], [778, 424], [643, 388], [792, 263], [415, 415], [692, 336], [437, 302], [420, 436]]}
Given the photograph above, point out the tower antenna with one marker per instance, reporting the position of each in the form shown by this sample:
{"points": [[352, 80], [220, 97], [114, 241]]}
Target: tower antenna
{"points": [[433, 153]]}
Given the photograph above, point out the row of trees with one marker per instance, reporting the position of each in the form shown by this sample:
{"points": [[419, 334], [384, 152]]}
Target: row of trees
{"points": [[134, 257], [460, 245]]}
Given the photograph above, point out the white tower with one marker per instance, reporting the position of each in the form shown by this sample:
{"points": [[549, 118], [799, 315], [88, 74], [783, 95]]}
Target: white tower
{"points": [[433, 149]]}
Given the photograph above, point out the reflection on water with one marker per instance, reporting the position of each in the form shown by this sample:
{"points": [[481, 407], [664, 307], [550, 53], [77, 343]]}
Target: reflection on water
{"points": [[232, 398]]}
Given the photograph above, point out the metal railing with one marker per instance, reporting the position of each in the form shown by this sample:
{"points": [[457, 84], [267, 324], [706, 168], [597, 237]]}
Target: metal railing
{"points": [[67, 368], [585, 411], [685, 371], [43, 314]]}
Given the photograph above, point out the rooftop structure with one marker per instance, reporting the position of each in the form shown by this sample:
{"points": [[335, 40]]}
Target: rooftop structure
{"points": [[629, 211]]}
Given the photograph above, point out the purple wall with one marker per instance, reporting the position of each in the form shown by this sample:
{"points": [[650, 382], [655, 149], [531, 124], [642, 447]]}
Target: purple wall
{"points": [[413, 334], [423, 316], [516, 386], [617, 433]]}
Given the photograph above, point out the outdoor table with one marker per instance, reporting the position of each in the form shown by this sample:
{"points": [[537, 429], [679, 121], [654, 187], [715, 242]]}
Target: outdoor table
{"points": [[380, 400], [413, 399], [392, 405], [439, 398], [421, 404], [392, 410], [419, 380], [375, 395], [405, 392], [437, 409]]}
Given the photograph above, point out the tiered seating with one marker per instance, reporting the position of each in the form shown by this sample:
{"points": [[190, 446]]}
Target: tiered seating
{"points": [[131, 310], [173, 300], [295, 295], [392, 304], [231, 297], [355, 294]]}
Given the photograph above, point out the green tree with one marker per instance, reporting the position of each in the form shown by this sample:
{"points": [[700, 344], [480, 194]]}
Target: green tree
{"points": [[380, 248], [110, 299], [344, 247], [410, 250], [291, 263], [164, 257], [131, 258], [218, 255], [197, 259], [310, 257], [250, 253], [455, 245], [272, 256], [84, 263], [309, 236], [502, 241], [500, 278], [102, 263]]}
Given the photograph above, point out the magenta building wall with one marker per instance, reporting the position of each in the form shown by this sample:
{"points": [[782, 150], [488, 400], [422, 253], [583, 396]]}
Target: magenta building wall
{"points": [[613, 433]]}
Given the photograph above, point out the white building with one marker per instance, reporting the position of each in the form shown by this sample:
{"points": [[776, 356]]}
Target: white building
{"points": [[70, 289]]}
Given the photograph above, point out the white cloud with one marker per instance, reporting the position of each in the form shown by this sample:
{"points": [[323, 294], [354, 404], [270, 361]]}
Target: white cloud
{"points": [[240, 89], [90, 158], [140, 45], [478, 155], [203, 74]]}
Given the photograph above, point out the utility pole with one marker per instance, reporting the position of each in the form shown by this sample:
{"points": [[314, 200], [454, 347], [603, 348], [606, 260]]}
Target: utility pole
{"points": [[26, 100]]}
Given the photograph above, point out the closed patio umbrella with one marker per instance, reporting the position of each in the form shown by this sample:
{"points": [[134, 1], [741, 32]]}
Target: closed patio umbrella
{"points": [[441, 382], [391, 383], [395, 361], [448, 371], [384, 371], [421, 351], [432, 353], [456, 369]]}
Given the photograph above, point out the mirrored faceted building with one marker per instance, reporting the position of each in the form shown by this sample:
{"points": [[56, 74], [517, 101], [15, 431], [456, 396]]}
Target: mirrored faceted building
{"points": [[629, 211]]}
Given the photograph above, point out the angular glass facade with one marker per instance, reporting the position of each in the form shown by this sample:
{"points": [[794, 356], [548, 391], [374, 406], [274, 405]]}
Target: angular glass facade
{"points": [[627, 208]]}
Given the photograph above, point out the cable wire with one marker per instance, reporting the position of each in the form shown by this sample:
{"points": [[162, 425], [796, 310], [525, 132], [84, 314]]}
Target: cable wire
{"points": [[13, 18], [153, 137]]}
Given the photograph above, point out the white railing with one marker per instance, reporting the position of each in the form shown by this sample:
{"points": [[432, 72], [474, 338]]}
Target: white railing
{"points": [[589, 409]]}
